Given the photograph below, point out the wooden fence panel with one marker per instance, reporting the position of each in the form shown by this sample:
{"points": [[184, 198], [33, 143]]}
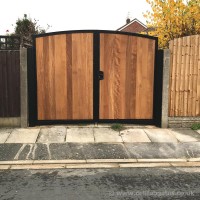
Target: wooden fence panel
{"points": [[185, 77], [9, 83]]}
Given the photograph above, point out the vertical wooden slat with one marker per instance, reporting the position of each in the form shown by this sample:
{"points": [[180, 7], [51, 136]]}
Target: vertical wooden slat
{"points": [[10, 80], [5, 80], [189, 79], [178, 75], [182, 78], [198, 80], [144, 79], [60, 76], [88, 53], [9, 58], [190, 76], [119, 81], [16, 72], [69, 76], [150, 77], [187, 65], [130, 80], [104, 109], [172, 82], [50, 75], [107, 65], [194, 75], [173, 77], [1, 85], [112, 88], [40, 78], [82, 76]]}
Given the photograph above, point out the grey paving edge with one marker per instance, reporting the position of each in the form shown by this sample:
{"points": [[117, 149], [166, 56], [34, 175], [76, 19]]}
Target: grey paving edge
{"points": [[99, 165], [98, 161]]}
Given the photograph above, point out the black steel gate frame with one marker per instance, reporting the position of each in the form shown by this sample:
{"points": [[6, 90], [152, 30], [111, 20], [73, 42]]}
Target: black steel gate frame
{"points": [[32, 82]]}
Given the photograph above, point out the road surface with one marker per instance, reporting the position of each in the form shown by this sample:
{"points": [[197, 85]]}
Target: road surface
{"points": [[100, 184]]}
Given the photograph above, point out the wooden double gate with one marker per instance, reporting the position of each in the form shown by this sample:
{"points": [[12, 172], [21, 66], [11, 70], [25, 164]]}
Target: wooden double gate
{"points": [[93, 76]]}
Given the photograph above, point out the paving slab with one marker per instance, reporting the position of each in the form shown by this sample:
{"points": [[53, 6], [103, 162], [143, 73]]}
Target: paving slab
{"points": [[138, 165], [80, 135], [4, 167], [105, 151], [194, 159], [186, 164], [32, 151], [81, 125], [161, 135], [150, 126], [134, 135], [105, 135], [111, 160], [23, 135], [17, 162], [40, 152], [186, 135], [103, 125], [162, 160], [85, 166], [46, 166], [26, 153], [8, 151], [192, 149], [155, 150], [58, 161], [52, 135], [67, 151], [4, 133]]}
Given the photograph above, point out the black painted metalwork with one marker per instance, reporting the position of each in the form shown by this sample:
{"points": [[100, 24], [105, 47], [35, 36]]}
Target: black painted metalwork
{"points": [[96, 67], [32, 86], [95, 32], [158, 77], [9, 42]]}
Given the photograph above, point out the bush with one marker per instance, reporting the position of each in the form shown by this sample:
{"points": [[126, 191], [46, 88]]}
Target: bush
{"points": [[117, 127], [195, 126]]}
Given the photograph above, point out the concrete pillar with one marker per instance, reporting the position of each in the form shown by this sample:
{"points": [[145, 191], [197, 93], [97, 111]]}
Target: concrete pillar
{"points": [[165, 89], [23, 87]]}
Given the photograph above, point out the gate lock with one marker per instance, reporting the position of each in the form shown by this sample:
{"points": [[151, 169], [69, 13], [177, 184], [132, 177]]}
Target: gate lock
{"points": [[101, 75]]}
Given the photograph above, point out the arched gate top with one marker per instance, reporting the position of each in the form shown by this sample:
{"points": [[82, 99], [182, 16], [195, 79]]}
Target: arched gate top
{"points": [[95, 32]]}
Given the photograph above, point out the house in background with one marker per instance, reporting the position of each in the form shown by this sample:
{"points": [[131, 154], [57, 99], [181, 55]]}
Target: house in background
{"points": [[133, 26]]}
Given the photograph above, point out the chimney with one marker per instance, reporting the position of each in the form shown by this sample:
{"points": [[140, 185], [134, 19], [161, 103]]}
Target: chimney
{"points": [[128, 20]]}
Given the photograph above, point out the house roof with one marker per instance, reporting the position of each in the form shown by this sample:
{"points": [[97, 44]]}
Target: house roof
{"points": [[131, 22]]}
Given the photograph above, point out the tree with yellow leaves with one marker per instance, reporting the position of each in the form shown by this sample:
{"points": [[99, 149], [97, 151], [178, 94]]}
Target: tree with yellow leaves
{"points": [[173, 18]]}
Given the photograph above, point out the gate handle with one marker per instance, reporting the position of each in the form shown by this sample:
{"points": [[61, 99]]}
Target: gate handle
{"points": [[101, 75]]}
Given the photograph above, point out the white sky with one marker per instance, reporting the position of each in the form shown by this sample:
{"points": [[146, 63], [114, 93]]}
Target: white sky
{"points": [[72, 14]]}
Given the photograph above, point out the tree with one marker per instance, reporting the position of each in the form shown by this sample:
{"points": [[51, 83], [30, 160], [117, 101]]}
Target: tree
{"points": [[26, 27], [173, 18]]}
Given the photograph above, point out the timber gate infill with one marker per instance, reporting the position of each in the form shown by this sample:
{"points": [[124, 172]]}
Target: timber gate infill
{"points": [[94, 76]]}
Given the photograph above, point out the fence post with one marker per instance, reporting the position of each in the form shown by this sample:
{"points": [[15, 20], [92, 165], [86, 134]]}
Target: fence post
{"points": [[165, 89], [23, 87]]}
